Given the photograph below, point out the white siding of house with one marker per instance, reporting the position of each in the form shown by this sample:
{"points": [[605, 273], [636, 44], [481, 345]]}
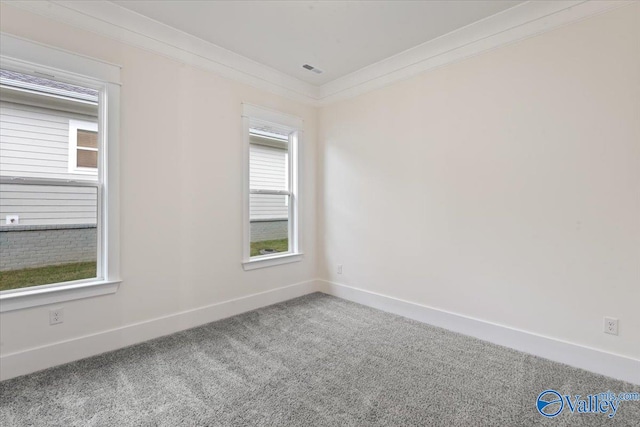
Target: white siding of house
{"points": [[48, 204], [268, 171], [34, 143]]}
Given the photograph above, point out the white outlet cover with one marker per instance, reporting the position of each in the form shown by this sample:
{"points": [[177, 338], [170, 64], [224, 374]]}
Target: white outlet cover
{"points": [[12, 219], [611, 325], [56, 315]]}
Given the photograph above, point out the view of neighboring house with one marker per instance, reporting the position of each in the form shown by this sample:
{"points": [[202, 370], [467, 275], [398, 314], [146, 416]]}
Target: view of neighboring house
{"points": [[268, 162], [49, 140], [48, 149], [48, 130]]}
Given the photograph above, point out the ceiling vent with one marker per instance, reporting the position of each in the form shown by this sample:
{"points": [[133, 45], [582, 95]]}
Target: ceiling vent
{"points": [[312, 68]]}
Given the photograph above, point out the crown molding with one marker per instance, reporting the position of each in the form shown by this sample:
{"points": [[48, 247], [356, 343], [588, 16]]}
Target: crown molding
{"points": [[520, 22], [116, 22], [523, 21]]}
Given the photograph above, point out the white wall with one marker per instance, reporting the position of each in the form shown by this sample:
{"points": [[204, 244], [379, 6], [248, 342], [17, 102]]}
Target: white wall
{"points": [[181, 155], [505, 187]]}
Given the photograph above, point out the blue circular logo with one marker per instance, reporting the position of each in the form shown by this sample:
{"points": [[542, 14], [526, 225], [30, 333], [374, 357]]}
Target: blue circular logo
{"points": [[550, 403]]}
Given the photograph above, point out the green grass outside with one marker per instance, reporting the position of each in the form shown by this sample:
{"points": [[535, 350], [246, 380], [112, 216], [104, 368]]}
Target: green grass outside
{"points": [[26, 277], [281, 245]]}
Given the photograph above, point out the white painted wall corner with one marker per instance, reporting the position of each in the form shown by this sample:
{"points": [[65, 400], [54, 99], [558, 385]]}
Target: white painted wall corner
{"points": [[590, 359]]}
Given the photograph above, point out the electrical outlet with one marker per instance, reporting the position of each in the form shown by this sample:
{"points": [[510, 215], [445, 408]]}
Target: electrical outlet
{"points": [[56, 315], [610, 326], [339, 268]]}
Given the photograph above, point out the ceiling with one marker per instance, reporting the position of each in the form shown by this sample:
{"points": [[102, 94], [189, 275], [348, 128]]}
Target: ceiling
{"points": [[339, 37], [361, 45]]}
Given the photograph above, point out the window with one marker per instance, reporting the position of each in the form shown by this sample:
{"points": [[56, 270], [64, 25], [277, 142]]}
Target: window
{"points": [[83, 147], [58, 176], [271, 188]]}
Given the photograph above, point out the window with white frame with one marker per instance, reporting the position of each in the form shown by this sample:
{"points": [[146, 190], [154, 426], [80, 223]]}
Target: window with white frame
{"points": [[271, 188], [59, 178], [83, 146]]}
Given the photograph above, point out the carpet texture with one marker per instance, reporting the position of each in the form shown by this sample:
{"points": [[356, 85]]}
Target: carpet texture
{"points": [[313, 361]]}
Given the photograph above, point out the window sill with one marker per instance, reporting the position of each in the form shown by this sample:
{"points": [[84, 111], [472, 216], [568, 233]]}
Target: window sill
{"points": [[24, 298], [270, 261]]}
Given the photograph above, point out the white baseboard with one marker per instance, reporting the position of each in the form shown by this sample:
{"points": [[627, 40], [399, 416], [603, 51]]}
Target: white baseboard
{"points": [[590, 359], [39, 358], [598, 361]]}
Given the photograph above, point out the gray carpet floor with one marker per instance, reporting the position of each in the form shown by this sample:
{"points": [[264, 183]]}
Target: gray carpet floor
{"points": [[313, 361]]}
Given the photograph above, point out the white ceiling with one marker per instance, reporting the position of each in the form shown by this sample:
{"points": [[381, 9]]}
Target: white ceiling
{"points": [[339, 37], [363, 46]]}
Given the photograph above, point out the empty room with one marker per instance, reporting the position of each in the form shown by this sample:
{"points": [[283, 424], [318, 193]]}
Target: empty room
{"points": [[319, 213]]}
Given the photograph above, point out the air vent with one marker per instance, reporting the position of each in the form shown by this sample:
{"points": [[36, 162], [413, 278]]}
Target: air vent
{"points": [[312, 68]]}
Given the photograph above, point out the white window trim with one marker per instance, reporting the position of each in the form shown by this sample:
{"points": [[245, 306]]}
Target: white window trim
{"points": [[74, 126], [28, 57], [294, 254]]}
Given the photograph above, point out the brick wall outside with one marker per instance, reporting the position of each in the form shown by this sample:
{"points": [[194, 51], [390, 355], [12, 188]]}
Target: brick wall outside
{"points": [[25, 246], [269, 230]]}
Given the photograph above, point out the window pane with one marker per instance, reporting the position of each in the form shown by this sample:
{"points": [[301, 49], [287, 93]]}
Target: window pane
{"points": [[87, 138], [52, 237], [268, 162], [269, 216], [87, 159], [48, 230]]}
